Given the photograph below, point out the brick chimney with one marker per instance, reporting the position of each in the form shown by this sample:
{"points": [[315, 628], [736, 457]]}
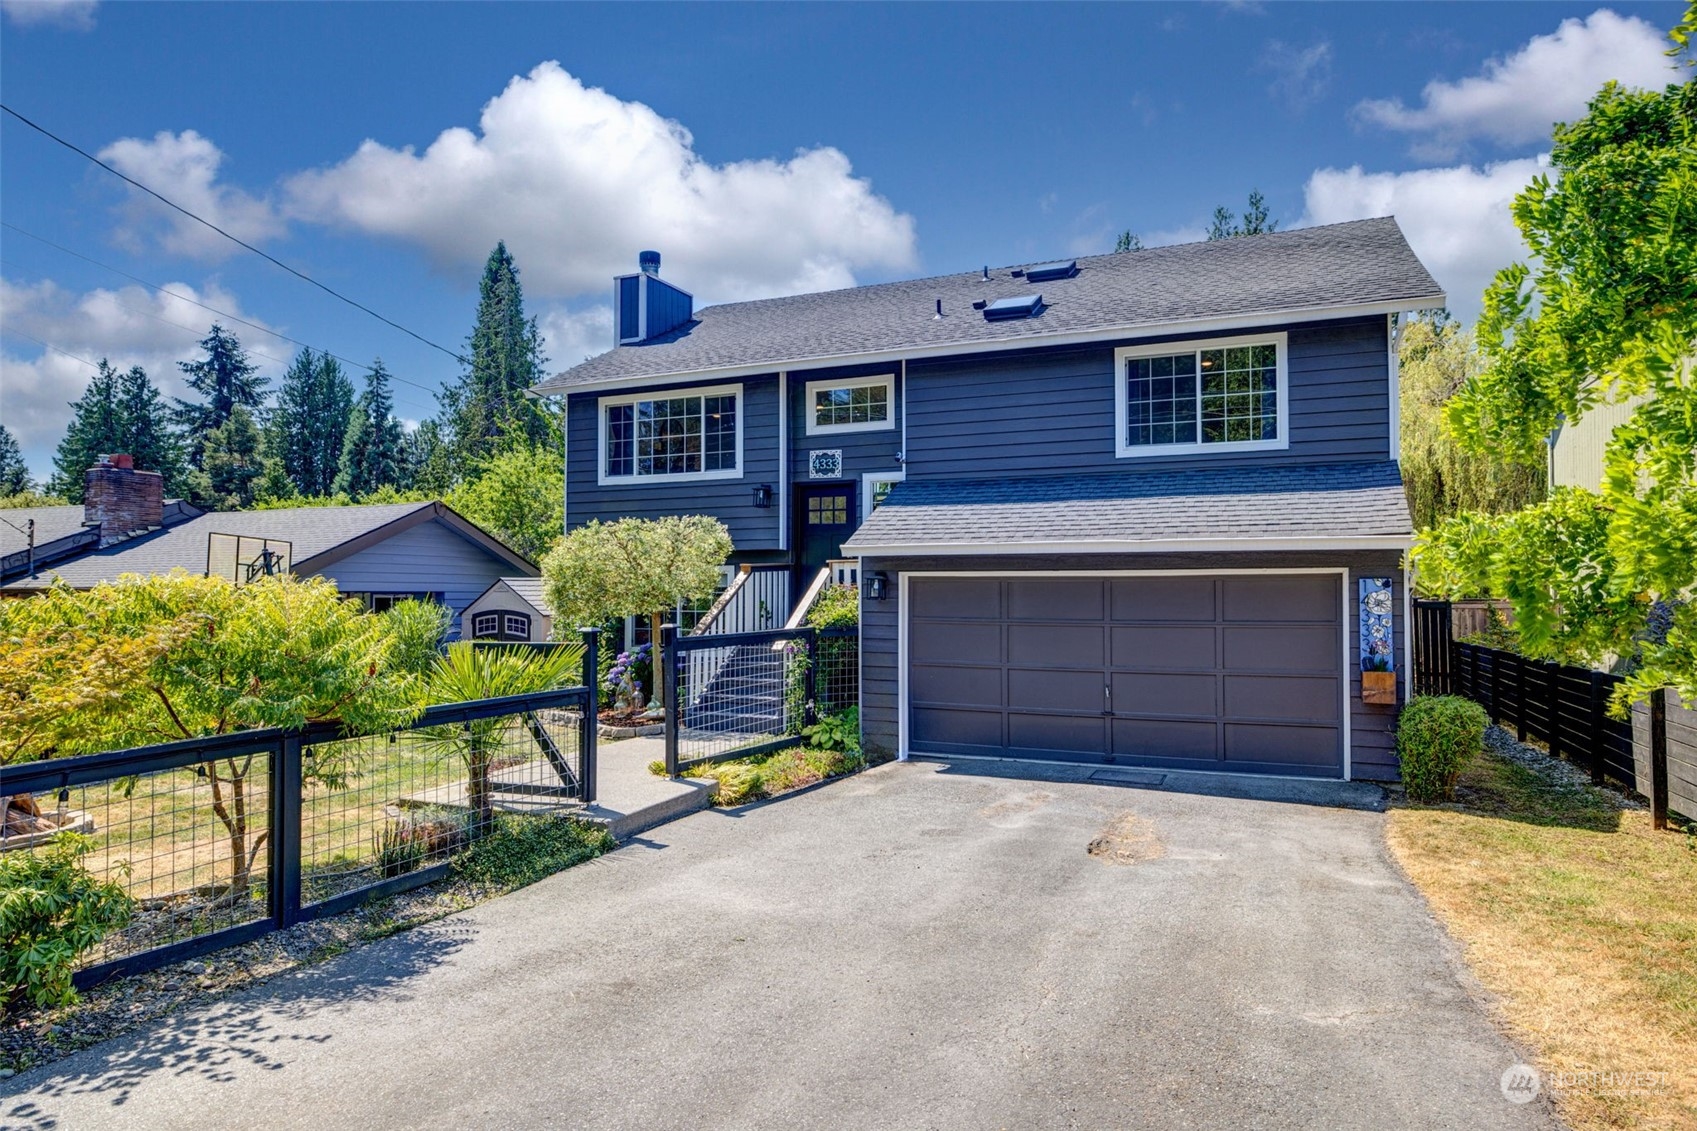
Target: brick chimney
{"points": [[120, 500]]}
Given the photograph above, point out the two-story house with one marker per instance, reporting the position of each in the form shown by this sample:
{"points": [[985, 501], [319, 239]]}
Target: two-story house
{"points": [[1140, 509]]}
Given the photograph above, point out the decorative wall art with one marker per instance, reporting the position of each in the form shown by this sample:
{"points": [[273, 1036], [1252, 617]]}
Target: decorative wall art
{"points": [[1378, 642]]}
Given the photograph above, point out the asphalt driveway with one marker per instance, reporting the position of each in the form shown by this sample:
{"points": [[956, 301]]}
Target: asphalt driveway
{"points": [[914, 947]]}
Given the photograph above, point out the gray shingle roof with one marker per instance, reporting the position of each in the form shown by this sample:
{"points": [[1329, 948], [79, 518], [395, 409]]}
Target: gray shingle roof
{"points": [[530, 588], [311, 530], [50, 523], [1274, 503], [1359, 263]]}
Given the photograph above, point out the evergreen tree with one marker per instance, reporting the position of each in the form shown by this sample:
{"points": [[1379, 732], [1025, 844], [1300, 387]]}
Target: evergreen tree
{"points": [[1255, 221], [96, 429], [14, 473], [373, 451], [428, 461], [307, 426], [231, 464], [1128, 241], [146, 432], [487, 408], [226, 378]]}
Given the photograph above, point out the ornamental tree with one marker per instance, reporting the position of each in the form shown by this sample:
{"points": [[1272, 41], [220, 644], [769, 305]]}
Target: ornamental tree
{"points": [[635, 567], [1608, 314]]}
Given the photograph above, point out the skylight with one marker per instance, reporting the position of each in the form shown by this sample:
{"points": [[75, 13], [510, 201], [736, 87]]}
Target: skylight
{"points": [[1043, 272], [1006, 309]]}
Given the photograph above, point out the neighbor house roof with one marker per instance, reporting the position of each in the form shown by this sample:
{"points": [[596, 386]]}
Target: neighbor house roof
{"points": [[1305, 506], [60, 533], [527, 589], [318, 537], [1364, 264]]}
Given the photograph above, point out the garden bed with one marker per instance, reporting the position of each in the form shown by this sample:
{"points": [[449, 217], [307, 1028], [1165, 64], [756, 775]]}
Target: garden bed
{"points": [[742, 780]]}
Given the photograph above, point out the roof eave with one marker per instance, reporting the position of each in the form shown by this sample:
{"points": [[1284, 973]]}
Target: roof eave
{"points": [[1255, 320], [1318, 543]]}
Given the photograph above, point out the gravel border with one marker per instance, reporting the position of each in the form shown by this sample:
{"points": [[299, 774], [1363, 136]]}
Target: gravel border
{"points": [[1565, 774], [31, 1037]]}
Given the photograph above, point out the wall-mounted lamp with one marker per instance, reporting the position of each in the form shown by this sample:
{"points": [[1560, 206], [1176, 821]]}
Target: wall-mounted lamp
{"points": [[763, 496], [875, 583]]}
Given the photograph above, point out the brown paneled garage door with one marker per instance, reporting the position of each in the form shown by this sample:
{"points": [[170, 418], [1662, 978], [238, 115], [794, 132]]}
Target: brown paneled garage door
{"points": [[1222, 672]]}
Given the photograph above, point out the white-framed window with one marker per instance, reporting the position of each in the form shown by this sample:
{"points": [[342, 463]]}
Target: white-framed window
{"points": [[486, 626], [1223, 394], [515, 626], [874, 488], [689, 434], [851, 404]]}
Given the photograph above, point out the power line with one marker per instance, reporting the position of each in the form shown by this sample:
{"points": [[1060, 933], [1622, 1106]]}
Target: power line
{"points": [[47, 133], [203, 306], [54, 348]]}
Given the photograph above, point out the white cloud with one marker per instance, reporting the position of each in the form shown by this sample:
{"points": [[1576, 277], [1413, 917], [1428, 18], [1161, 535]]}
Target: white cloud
{"points": [[577, 181], [570, 336], [1515, 101], [184, 168], [1300, 74], [129, 326], [1457, 219], [77, 15]]}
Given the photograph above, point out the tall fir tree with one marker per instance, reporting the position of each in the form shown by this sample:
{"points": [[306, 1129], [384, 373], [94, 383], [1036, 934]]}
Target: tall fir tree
{"points": [[308, 425], [232, 464], [146, 431], [487, 409], [96, 429], [373, 452], [14, 473], [428, 464], [225, 378]]}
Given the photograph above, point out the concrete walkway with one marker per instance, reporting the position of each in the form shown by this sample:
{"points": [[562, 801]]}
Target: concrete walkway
{"points": [[917, 946], [630, 798]]}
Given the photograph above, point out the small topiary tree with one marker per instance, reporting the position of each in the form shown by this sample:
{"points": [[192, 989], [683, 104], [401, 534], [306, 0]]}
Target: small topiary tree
{"points": [[1435, 737]]}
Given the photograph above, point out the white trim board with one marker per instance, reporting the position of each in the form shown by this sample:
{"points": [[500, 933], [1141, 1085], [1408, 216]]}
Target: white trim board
{"points": [[904, 749], [1280, 342], [1116, 332], [1129, 546], [867, 478], [603, 403]]}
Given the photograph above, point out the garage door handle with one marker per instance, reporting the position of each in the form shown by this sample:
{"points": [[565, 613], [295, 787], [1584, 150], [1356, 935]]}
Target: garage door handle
{"points": [[1107, 698]]}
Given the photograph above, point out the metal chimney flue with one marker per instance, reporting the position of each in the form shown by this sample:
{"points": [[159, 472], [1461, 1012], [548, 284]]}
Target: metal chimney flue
{"points": [[648, 262]]}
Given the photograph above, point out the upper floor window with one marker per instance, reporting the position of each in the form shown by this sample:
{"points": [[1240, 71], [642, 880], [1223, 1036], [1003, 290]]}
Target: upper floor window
{"points": [[696, 434], [1221, 395], [854, 404]]}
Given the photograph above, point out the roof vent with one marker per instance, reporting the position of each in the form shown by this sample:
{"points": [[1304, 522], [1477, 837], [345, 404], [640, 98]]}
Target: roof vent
{"points": [[939, 313], [1007, 309], [986, 273], [648, 262], [1047, 271]]}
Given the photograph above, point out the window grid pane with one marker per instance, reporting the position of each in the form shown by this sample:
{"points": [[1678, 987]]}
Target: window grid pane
{"points": [[1161, 400], [673, 436], [1232, 391], [858, 404]]}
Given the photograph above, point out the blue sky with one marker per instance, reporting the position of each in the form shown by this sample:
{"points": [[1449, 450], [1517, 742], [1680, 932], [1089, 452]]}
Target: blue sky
{"points": [[383, 148]]}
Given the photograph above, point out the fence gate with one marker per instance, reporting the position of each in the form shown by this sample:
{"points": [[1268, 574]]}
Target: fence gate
{"points": [[1434, 659], [735, 694]]}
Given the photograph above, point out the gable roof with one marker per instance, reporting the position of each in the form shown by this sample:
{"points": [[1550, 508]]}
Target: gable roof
{"points": [[526, 589], [1301, 506], [1364, 265], [319, 537]]}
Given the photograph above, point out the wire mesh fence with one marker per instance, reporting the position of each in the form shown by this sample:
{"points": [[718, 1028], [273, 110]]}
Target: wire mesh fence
{"points": [[734, 695], [219, 840], [836, 678]]}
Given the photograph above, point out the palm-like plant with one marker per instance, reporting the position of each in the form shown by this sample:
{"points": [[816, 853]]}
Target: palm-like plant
{"points": [[464, 673]]}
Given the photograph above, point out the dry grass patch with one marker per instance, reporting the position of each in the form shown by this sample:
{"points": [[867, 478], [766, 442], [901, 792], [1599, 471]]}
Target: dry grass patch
{"points": [[1582, 920]]}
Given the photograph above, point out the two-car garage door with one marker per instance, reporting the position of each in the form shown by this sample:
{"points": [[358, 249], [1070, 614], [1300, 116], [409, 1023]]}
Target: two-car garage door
{"points": [[1238, 672]]}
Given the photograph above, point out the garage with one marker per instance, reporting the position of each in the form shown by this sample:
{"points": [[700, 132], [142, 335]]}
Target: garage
{"points": [[1239, 672]]}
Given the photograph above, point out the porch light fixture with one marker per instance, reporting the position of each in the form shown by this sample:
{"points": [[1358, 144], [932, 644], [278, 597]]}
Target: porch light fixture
{"points": [[763, 496], [875, 583]]}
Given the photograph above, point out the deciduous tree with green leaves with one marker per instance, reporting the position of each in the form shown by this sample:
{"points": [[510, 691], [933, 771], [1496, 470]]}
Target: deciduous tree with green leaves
{"points": [[635, 567], [1607, 312], [516, 496]]}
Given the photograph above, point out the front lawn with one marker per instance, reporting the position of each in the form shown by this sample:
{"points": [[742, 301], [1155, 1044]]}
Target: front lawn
{"points": [[1581, 919]]}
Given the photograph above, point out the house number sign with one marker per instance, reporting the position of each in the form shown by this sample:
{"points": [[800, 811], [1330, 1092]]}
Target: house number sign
{"points": [[825, 464]]}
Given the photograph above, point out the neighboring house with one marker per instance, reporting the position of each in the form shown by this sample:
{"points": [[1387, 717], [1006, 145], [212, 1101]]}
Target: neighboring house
{"points": [[513, 608], [1577, 447], [1126, 509], [381, 554]]}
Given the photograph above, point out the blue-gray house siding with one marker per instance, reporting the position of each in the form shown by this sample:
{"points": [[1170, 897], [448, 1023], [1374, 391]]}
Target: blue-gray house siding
{"points": [[428, 558], [864, 453], [1051, 411]]}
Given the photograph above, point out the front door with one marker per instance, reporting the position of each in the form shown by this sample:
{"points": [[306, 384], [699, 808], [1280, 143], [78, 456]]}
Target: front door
{"points": [[825, 517]]}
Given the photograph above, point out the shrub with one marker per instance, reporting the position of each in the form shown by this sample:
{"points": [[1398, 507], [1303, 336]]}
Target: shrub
{"points": [[838, 606], [837, 731], [1435, 737], [521, 850], [51, 911]]}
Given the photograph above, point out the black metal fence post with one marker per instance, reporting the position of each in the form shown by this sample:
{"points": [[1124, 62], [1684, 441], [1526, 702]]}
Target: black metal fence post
{"points": [[1659, 758], [287, 777], [669, 657], [1519, 697], [1552, 686], [1594, 723], [591, 709], [809, 711]]}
